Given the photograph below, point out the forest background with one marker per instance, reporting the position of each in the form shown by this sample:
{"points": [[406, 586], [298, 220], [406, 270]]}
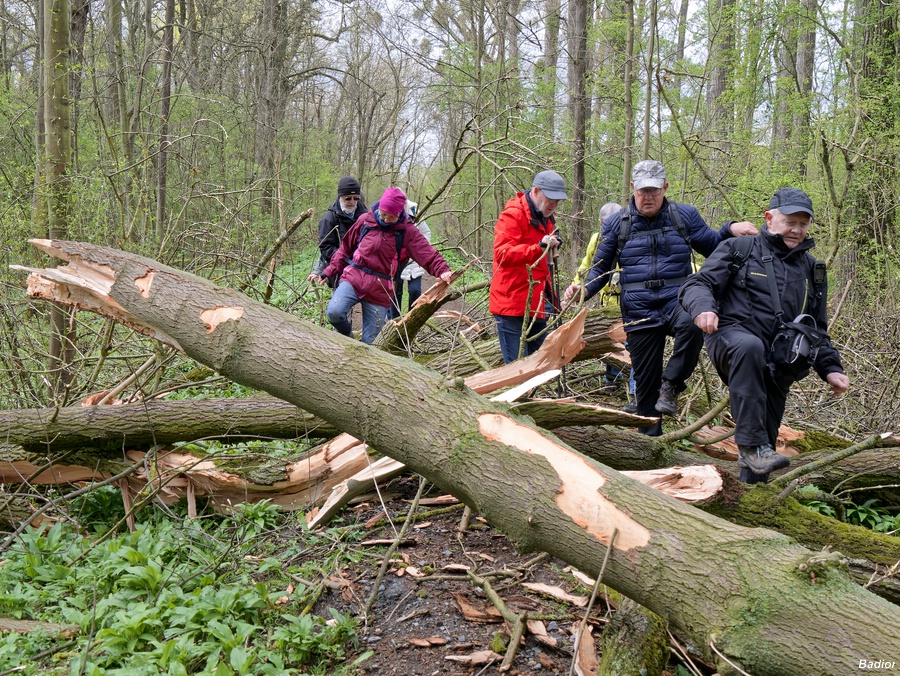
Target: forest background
{"points": [[196, 132]]}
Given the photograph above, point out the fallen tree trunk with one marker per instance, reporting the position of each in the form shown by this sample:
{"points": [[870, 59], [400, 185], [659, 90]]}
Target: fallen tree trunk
{"points": [[751, 595], [149, 423]]}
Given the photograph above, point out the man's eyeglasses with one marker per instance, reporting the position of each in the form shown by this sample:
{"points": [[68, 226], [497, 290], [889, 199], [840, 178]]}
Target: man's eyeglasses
{"points": [[649, 192], [350, 198]]}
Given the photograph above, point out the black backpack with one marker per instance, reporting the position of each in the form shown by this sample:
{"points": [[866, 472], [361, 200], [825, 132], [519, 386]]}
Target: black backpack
{"points": [[625, 229], [675, 220], [398, 236]]}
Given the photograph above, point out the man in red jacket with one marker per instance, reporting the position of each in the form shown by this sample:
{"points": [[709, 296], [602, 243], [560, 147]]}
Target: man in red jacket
{"points": [[369, 261], [524, 241]]}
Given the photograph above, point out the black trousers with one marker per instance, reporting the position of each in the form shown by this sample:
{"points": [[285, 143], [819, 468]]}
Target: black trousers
{"points": [[647, 346], [757, 399]]}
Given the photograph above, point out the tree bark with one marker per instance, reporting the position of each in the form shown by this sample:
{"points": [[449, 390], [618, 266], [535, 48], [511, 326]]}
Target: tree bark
{"points": [[109, 429], [57, 183], [752, 595]]}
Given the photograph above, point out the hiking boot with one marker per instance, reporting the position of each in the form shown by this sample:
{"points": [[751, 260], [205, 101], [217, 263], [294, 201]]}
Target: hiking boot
{"points": [[760, 459], [630, 407], [667, 402]]}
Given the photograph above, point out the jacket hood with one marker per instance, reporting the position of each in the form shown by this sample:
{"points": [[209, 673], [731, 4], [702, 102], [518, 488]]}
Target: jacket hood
{"points": [[381, 224]]}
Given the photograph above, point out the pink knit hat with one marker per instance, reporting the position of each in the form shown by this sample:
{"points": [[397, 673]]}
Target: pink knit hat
{"points": [[393, 201]]}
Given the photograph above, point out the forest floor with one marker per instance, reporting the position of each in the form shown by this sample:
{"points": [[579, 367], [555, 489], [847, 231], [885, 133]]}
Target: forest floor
{"points": [[430, 619]]}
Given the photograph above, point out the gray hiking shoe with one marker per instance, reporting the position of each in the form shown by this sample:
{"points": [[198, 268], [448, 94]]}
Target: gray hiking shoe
{"points": [[630, 407], [667, 402], [760, 459]]}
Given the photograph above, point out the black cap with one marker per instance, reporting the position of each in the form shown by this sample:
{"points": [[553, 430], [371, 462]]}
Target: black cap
{"points": [[348, 186], [791, 201]]}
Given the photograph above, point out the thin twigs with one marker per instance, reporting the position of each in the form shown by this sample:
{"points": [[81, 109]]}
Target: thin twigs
{"points": [[785, 479], [517, 621], [390, 552], [118, 389], [590, 605], [696, 425], [276, 245]]}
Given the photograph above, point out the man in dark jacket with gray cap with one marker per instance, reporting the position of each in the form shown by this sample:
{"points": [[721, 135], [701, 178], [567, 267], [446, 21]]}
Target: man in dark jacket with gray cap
{"points": [[655, 258], [336, 222], [733, 301]]}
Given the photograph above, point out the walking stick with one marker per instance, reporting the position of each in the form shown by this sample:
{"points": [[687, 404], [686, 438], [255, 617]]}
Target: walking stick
{"points": [[555, 302]]}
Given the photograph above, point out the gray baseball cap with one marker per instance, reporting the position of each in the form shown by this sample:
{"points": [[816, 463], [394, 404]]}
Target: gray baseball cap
{"points": [[551, 184], [648, 174], [792, 201]]}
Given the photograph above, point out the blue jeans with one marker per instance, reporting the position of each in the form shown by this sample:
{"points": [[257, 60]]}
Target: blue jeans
{"points": [[415, 290], [509, 331], [338, 312]]}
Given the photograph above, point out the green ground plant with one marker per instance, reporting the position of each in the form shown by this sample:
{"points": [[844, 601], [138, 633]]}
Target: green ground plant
{"points": [[210, 595]]}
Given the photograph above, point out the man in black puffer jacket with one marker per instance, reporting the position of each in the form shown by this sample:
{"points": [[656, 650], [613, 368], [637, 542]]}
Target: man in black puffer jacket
{"points": [[730, 300], [655, 260], [340, 216]]}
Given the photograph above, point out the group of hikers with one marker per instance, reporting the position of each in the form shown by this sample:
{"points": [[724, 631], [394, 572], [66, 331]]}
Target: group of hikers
{"points": [[758, 302]]}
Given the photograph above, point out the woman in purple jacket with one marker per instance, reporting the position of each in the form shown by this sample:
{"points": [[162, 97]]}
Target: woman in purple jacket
{"points": [[369, 261]]}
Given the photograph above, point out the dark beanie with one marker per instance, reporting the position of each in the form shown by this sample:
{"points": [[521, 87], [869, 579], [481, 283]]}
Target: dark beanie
{"points": [[348, 186]]}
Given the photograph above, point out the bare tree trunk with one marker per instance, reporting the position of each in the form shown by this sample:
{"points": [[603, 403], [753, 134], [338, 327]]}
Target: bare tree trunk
{"points": [[648, 90], [551, 56], [806, 52], [785, 85], [628, 136], [747, 595], [720, 109], [56, 183], [165, 107], [580, 111]]}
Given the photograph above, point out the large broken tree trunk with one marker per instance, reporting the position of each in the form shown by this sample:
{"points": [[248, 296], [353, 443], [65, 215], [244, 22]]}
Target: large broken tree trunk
{"points": [[751, 595]]}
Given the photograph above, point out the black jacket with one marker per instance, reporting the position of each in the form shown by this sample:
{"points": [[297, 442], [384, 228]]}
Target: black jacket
{"points": [[744, 298], [333, 226]]}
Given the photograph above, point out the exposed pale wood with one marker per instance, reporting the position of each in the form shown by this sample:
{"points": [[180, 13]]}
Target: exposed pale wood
{"points": [[380, 470], [697, 483], [558, 349], [398, 334]]}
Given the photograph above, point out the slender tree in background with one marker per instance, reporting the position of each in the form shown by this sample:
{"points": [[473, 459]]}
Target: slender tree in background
{"points": [[628, 136], [55, 188], [165, 108], [649, 69], [580, 107], [547, 69]]}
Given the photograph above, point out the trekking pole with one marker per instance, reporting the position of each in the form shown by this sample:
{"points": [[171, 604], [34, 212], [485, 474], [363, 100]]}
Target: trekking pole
{"points": [[556, 302]]}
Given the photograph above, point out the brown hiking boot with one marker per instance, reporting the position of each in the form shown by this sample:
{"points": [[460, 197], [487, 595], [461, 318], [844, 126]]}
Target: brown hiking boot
{"points": [[760, 459]]}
